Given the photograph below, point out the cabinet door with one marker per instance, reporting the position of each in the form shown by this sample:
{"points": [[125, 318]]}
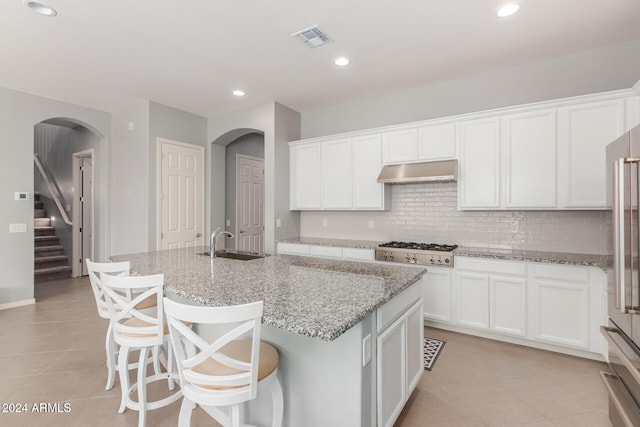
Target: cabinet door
{"points": [[391, 367], [337, 174], [400, 146], [529, 141], [367, 162], [508, 305], [305, 179], [479, 164], [437, 142], [436, 294], [583, 133], [415, 346], [472, 291], [560, 313]]}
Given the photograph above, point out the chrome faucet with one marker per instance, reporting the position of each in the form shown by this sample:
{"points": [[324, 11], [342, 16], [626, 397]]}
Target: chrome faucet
{"points": [[214, 238]]}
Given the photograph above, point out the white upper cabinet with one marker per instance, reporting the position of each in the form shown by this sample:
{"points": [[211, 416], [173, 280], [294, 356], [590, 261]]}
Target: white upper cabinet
{"points": [[337, 174], [479, 164], [367, 162], [400, 146], [305, 176], [584, 131], [437, 142], [529, 141]]}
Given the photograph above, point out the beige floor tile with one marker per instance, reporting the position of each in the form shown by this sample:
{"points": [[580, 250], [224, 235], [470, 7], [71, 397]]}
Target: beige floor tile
{"points": [[53, 353]]}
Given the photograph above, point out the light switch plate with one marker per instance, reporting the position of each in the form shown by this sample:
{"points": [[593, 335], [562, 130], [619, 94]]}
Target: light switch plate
{"points": [[17, 228]]}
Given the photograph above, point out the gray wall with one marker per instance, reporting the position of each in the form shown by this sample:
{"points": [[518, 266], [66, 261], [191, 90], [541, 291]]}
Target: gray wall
{"points": [[600, 70], [279, 125], [250, 145], [19, 113], [56, 146], [177, 125]]}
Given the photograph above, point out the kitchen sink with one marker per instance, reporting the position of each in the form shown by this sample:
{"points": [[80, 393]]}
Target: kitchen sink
{"points": [[243, 256]]}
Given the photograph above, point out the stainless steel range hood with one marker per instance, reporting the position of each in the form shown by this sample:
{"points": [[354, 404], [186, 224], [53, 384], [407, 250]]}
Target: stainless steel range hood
{"points": [[440, 171]]}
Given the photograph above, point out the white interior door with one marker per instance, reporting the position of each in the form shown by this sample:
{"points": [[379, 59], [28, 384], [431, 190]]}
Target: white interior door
{"points": [[181, 195], [249, 204]]}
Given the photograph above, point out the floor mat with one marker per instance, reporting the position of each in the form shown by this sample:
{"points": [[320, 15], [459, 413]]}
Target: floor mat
{"points": [[432, 349]]}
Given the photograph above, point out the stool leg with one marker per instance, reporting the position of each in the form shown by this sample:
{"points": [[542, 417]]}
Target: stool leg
{"points": [[110, 347], [278, 403], [123, 363], [172, 383], [142, 387], [186, 410], [156, 359]]}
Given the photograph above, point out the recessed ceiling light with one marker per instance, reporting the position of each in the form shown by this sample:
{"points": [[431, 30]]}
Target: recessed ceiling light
{"points": [[508, 10], [342, 61], [238, 93], [40, 8]]}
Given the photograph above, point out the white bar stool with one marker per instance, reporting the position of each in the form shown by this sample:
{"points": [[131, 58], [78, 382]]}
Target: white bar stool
{"points": [[135, 329], [227, 371], [96, 269]]}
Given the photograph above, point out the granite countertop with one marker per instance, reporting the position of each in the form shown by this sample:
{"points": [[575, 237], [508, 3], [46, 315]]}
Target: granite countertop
{"points": [[316, 297], [592, 260], [602, 261]]}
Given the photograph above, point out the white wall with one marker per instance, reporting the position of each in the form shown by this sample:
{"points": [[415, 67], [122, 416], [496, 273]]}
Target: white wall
{"points": [[609, 68], [19, 113]]}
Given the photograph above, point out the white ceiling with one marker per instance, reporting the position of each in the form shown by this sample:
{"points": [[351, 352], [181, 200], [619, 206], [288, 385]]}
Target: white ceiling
{"points": [[191, 54]]}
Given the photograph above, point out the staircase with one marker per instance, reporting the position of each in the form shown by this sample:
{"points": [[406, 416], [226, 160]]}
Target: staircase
{"points": [[50, 261]]}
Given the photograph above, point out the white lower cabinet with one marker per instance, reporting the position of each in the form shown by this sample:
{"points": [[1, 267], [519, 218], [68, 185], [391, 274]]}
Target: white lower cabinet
{"points": [[565, 305], [553, 306], [436, 294], [399, 363], [322, 251]]}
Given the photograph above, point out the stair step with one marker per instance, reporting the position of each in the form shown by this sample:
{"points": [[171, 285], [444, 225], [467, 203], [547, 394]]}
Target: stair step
{"points": [[41, 222], [44, 231], [39, 213], [42, 251], [53, 261], [45, 241], [52, 273], [38, 205]]}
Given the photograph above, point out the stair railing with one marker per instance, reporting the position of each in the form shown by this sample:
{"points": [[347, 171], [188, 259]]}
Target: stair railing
{"points": [[53, 187]]}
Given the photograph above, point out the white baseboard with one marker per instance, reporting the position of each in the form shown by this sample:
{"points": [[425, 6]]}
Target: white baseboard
{"points": [[17, 303]]}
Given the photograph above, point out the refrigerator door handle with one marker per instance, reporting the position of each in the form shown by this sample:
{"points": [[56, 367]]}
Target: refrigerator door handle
{"points": [[608, 333], [618, 234]]}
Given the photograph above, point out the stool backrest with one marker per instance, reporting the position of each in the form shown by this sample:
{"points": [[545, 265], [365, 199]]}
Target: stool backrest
{"points": [[238, 383], [96, 270], [131, 324]]}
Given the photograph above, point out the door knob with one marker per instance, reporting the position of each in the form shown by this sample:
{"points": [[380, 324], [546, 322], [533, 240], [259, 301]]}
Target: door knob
{"points": [[198, 234], [241, 231]]}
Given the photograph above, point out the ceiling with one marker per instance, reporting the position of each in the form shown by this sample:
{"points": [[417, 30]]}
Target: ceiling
{"points": [[191, 55]]}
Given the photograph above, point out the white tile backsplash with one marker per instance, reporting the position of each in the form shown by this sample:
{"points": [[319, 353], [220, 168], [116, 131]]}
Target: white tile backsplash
{"points": [[428, 213]]}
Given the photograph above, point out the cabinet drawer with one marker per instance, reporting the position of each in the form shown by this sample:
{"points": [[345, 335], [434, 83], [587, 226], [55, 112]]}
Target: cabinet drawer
{"points": [[325, 251], [358, 254], [398, 305], [491, 266], [563, 273], [293, 249]]}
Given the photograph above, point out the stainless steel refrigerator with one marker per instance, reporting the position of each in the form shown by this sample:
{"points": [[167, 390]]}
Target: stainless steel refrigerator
{"points": [[623, 331]]}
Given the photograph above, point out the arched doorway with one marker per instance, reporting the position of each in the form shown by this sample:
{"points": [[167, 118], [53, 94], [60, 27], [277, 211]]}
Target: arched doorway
{"points": [[243, 193], [64, 197]]}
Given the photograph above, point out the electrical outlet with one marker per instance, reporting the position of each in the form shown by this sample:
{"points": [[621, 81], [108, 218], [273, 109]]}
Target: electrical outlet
{"points": [[228, 223], [370, 223], [278, 223], [325, 222], [366, 350]]}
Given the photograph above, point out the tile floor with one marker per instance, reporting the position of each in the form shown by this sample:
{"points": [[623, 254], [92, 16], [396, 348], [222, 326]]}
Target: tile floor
{"points": [[53, 353]]}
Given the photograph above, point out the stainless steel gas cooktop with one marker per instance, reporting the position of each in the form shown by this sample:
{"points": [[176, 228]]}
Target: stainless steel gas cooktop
{"points": [[416, 253]]}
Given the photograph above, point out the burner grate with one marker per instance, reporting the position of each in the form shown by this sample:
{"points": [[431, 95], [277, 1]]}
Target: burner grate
{"points": [[419, 246]]}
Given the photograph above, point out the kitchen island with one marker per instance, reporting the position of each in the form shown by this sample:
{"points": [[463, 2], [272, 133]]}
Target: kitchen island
{"points": [[349, 333]]}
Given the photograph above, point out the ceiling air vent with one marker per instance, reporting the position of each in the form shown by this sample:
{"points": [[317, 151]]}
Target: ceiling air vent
{"points": [[313, 37]]}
